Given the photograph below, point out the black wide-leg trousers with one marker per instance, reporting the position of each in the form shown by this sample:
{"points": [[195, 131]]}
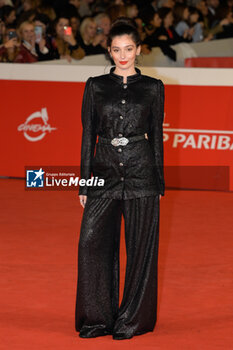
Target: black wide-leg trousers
{"points": [[97, 309]]}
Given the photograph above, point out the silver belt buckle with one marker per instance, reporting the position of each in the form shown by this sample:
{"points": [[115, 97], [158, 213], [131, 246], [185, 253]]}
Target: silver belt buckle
{"points": [[122, 141]]}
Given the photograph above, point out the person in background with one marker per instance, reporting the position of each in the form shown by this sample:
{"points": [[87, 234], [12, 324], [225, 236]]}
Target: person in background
{"points": [[116, 11], [212, 8], [47, 10], [75, 3], [42, 28], [90, 39], [75, 25], [131, 10], [202, 8], [8, 15], [224, 26], [187, 23], [2, 31], [85, 8], [155, 38], [140, 25], [30, 4], [152, 22], [166, 3], [167, 31], [196, 24], [10, 47], [2, 3], [29, 50], [103, 23], [64, 43]]}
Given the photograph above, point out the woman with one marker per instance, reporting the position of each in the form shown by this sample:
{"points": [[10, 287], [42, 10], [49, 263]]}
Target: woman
{"points": [[186, 22], [65, 44], [9, 15], [126, 110], [154, 37], [167, 31], [10, 48], [89, 39], [30, 51]]}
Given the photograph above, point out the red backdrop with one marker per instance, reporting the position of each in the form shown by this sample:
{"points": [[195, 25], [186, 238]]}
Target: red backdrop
{"points": [[41, 124]]}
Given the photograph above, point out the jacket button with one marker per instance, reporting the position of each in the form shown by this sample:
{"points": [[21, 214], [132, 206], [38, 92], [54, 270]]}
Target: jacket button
{"points": [[120, 135], [123, 101], [119, 149], [121, 164], [122, 178], [125, 86], [121, 117]]}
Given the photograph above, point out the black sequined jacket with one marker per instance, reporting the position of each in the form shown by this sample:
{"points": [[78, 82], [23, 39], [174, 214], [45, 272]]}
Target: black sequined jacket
{"points": [[110, 109]]}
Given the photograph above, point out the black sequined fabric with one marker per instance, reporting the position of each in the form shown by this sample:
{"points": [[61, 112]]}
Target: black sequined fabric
{"points": [[97, 310], [134, 179], [113, 109]]}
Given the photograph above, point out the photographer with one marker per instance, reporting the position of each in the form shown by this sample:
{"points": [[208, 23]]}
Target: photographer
{"points": [[31, 51], [64, 44], [10, 47]]}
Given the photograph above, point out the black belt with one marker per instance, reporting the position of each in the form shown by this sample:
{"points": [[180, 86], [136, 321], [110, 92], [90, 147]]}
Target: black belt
{"points": [[121, 141]]}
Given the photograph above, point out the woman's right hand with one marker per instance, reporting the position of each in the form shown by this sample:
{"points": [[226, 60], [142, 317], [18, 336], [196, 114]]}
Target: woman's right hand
{"points": [[11, 44], [83, 200]]}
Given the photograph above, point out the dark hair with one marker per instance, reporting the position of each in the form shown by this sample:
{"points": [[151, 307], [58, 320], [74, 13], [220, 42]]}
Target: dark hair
{"points": [[222, 12], [124, 25], [6, 11], [178, 11], [164, 11], [42, 18], [57, 19]]}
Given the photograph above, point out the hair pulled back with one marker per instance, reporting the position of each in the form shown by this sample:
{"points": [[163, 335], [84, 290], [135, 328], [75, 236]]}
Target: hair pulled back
{"points": [[121, 26]]}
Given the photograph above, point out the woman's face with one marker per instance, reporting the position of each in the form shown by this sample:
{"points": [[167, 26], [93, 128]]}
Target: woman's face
{"points": [[123, 49], [186, 13], [138, 21], [133, 11], [168, 20], [203, 8], [105, 25], [63, 22], [74, 22], [27, 5], [28, 33], [91, 29], [156, 21], [11, 18], [194, 17]]}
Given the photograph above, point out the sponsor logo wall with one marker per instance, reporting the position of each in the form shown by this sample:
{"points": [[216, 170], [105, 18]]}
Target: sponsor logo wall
{"points": [[41, 124]]}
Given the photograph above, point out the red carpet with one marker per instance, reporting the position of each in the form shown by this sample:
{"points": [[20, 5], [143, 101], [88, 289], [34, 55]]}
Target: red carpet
{"points": [[39, 239]]}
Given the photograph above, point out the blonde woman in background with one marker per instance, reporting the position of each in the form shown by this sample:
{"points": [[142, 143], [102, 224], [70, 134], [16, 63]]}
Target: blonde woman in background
{"points": [[90, 40], [29, 50]]}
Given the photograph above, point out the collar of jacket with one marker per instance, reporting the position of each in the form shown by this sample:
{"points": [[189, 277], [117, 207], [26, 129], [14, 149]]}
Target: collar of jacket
{"points": [[130, 78]]}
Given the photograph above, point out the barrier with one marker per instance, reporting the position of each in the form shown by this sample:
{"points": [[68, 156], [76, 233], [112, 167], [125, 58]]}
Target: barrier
{"points": [[41, 121], [210, 62]]}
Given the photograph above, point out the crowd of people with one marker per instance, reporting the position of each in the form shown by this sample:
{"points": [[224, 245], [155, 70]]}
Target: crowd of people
{"points": [[41, 30]]}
